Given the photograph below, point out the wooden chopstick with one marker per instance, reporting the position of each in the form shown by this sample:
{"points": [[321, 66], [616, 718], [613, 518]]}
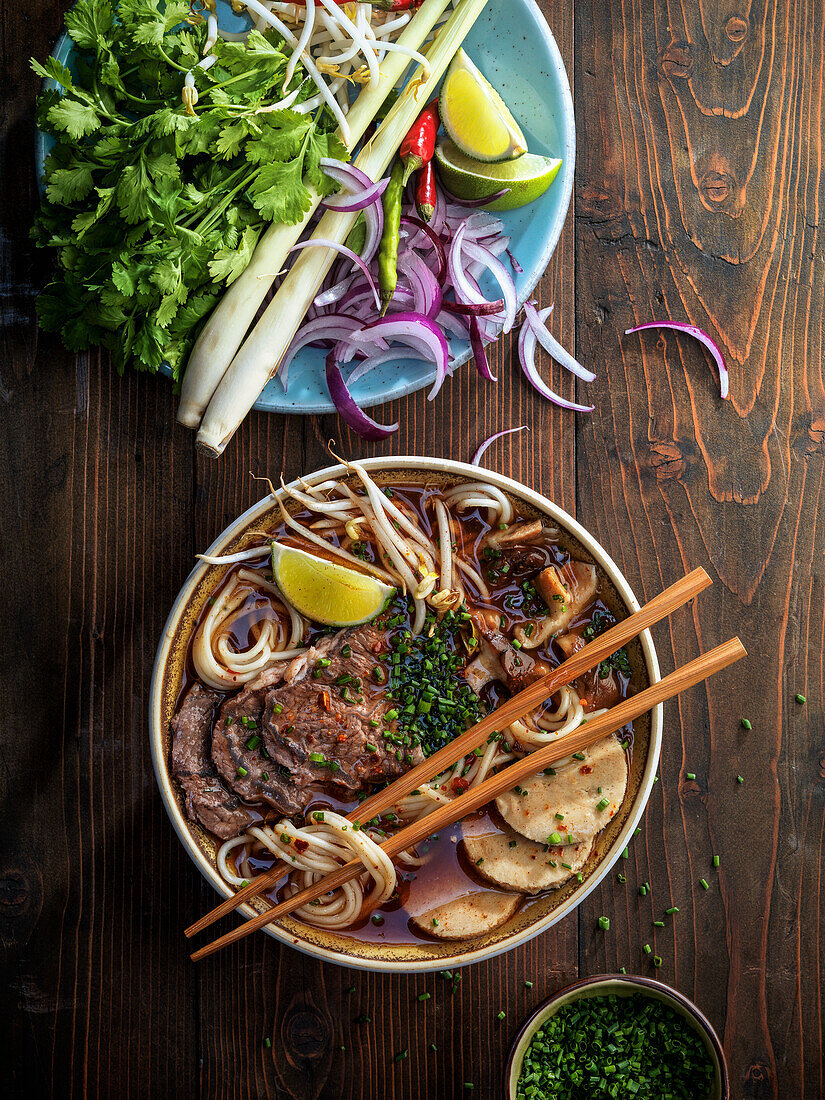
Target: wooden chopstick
{"points": [[590, 655], [587, 734]]}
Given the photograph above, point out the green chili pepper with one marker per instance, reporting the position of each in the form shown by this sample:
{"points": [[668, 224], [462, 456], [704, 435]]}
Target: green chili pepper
{"points": [[388, 249]]}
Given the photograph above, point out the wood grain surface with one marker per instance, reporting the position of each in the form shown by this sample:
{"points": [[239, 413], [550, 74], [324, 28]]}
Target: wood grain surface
{"points": [[699, 197]]}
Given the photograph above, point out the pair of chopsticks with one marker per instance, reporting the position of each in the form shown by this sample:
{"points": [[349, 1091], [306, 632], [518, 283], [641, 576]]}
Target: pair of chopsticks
{"points": [[586, 735]]}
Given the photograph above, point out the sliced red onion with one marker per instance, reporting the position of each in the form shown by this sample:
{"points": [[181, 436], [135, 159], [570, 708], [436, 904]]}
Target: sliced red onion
{"points": [[433, 238], [703, 338], [454, 323], [486, 309], [464, 289], [416, 330], [358, 200], [427, 296], [476, 459], [333, 326], [480, 359], [349, 409], [334, 293], [322, 242], [475, 202], [502, 276], [354, 180], [527, 358], [536, 322], [516, 266]]}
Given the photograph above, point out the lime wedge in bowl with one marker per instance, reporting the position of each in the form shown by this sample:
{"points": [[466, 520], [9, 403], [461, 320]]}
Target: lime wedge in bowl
{"points": [[525, 179], [475, 116], [325, 591]]}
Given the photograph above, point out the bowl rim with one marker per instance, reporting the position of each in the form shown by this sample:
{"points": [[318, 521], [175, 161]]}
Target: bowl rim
{"points": [[448, 467], [640, 983]]}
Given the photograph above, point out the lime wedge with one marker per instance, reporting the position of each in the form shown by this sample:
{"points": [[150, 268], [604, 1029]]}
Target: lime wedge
{"points": [[526, 178], [475, 116], [324, 591]]}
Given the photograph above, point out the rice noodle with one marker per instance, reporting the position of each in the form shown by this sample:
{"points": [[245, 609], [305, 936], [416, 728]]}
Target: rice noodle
{"points": [[217, 662]]}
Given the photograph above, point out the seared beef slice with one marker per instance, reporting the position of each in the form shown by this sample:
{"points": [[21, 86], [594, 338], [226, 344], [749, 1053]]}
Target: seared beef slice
{"points": [[326, 725], [207, 799], [236, 749]]}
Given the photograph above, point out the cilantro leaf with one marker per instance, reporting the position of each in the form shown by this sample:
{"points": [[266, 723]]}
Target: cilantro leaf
{"points": [[76, 119], [283, 134], [89, 23], [67, 185], [54, 70], [229, 263], [278, 192], [322, 145]]}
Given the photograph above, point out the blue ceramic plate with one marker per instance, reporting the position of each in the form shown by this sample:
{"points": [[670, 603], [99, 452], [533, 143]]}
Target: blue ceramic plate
{"points": [[514, 48]]}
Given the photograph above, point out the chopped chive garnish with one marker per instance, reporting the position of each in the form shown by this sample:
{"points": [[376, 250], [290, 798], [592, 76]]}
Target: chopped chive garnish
{"points": [[716, 861], [739, 779], [268, 1043], [423, 996], [691, 775], [657, 960], [745, 724], [602, 804], [528, 985], [242, 771], [501, 1015], [801, 699], [554, 838], [658, 924], [621, 879], [673, 909], [647, 949], [604, 924], [704, 884], [578, 756]]}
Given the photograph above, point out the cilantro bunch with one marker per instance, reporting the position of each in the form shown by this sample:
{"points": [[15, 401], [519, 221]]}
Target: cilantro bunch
{"points": [[154, 207]]}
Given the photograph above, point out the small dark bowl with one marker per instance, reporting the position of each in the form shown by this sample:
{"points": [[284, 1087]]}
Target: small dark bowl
{"points": [[623, 985]]}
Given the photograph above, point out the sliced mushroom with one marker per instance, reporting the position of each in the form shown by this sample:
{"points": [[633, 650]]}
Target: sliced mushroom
{"points": [[566, 591], [575, 803], [512, 862], [516, 535], [469, 916]]}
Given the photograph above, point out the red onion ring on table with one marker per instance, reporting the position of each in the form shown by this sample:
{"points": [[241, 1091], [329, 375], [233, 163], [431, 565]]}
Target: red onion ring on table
{"points": [[703, 338], [551, 344], [476, 459], [527, 358]]}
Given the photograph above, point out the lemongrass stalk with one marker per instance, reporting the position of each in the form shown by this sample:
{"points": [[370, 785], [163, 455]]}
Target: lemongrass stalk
{"points": [[262, 351], [228, 324]]}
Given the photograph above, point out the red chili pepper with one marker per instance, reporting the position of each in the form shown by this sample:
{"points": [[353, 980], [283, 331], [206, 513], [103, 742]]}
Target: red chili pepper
{"points": [[425, 192], [418, 146]]}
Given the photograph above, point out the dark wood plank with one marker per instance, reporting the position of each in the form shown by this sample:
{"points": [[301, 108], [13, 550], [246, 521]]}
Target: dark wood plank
{"points": [[699, 190]]}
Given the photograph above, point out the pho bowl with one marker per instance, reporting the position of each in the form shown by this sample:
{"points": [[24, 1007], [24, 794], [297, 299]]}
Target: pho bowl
{"points": [[620, 985], [540, 912]]}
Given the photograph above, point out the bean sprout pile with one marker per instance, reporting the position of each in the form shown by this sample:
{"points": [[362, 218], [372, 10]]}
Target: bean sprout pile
{"points": [[339, 45], [427, 566]]}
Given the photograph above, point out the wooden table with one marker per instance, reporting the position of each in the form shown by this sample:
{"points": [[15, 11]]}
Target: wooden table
{"points": [[698, 196]]}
